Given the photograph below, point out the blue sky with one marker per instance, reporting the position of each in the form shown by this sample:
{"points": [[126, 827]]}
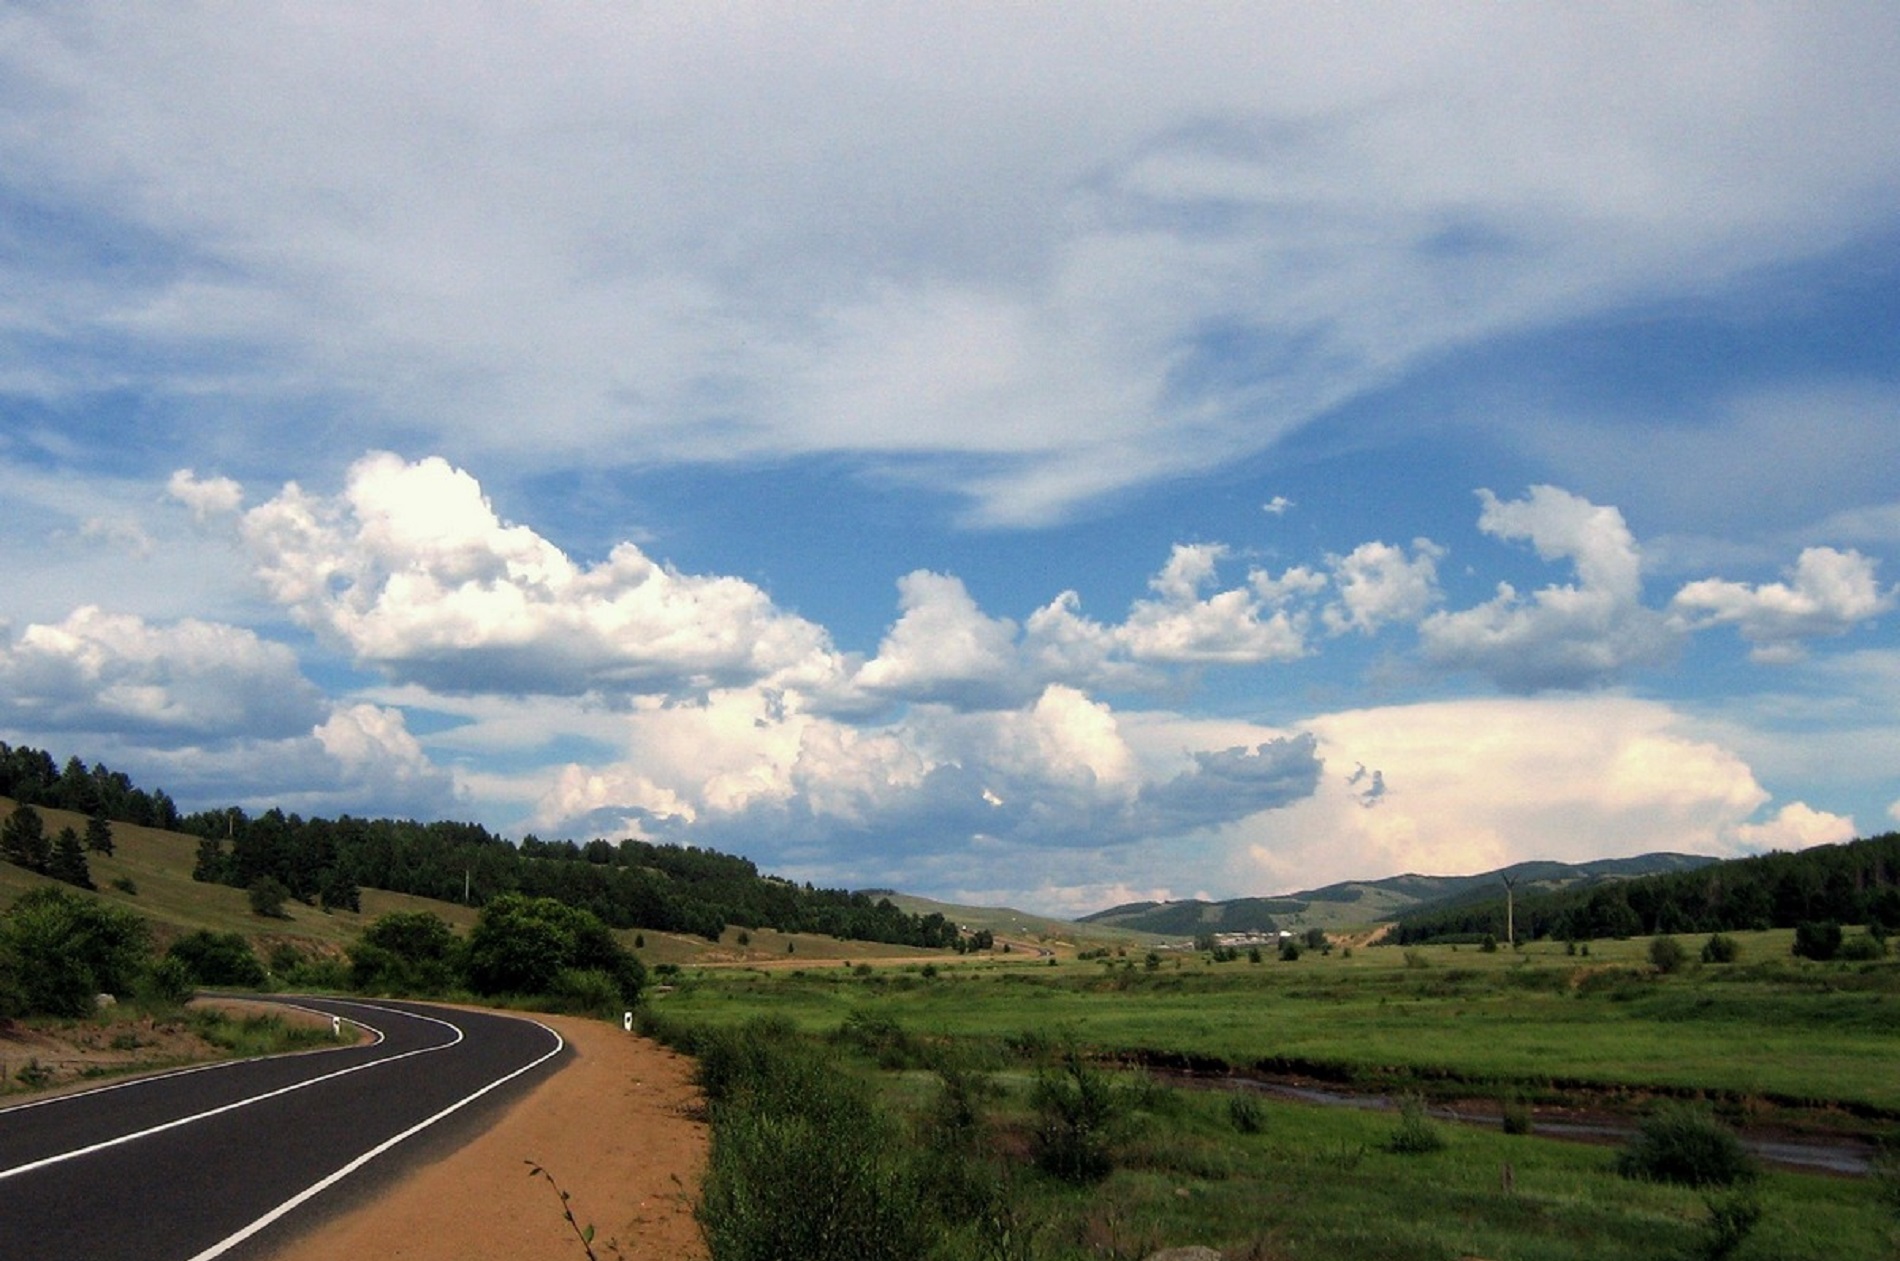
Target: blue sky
{"points": [[1051, 455]]}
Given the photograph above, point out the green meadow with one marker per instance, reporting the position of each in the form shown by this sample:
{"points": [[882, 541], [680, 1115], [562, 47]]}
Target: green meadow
{"points": [[1766, 1041]]}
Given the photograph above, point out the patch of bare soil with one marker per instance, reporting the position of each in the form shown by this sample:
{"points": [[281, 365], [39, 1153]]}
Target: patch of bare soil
{"points": [[51, 1058], [618, 1128]]}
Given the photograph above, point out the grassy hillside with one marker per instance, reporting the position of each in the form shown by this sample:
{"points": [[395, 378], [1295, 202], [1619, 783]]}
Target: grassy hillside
{"points": [[1009, 924], [1356, 905], [159, 864]]}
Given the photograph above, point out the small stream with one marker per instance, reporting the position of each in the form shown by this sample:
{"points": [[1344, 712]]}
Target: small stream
{"points": [[1845, 1156]]}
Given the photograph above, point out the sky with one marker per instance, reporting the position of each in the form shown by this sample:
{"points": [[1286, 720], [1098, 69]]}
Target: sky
{"points": [[1041, 455]]}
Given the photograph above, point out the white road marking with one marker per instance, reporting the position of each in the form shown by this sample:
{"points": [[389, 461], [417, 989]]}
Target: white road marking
{"points": [[246, 1102], [316, 1188], [168, 1074]]}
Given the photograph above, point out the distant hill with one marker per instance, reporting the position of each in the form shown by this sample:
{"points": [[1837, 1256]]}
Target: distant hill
{"points": [[1358, 903]]}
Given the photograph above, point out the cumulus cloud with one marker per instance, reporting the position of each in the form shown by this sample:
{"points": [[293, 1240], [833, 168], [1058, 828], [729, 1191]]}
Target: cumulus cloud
{"points": [[1054, 773], [1561, 636], [1235, 626], [413, 571], [943, 647], [1796, 825], [180, 683], [205, 497], [1828, 592], [1476, 784], [1379, 584]]}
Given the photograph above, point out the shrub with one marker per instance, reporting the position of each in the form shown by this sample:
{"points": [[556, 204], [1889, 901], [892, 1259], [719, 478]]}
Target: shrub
{"points": [[127, 886], [1515, 1116], [169, 981], [1079, 1111], [1688, 1146], [62, 948], [406, 952], [1732, 1218], [268, 895], [1818, 940], [802, 1165], [1720, 949], [1416, 959], [1289, 949], [1489, 945], [1666, 954], [585, 990], [218, 959], [1246, 1114], [1416, 1134], [1862, 948]]}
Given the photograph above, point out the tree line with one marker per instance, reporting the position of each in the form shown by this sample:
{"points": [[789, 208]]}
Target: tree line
{"points": [[1855, 883], [629, 884], [327, 862]]}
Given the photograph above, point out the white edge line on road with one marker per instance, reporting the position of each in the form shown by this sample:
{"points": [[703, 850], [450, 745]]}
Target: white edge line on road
{"points": [[246, 1102], [170, 1073], [317, 1188]]}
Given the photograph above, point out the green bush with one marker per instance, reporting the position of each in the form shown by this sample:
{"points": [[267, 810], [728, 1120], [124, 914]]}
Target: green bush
{"points": [[1820, 940], [1078, 1111], [218, 959], [1733, 1216], [1416, 1134], [1245, 1113], [520, 944], [1687, 1146], [406, 952], [1666, 954], [1720, 949], [170, 981], [59, 948], [802, 1164], [268, 895], [587, 990], [1862, 948]]}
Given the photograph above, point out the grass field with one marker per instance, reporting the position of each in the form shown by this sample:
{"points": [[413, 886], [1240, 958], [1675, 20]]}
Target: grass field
{"points": [[1768, 1039]]}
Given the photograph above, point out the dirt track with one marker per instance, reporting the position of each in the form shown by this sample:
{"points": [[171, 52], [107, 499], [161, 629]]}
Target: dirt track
{"points": [[617, 1128]]}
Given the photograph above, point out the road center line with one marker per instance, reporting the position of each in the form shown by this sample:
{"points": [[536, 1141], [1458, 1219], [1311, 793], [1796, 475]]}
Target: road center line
{"points": [[244, 1103], [317, 1188], [187, 1071]]}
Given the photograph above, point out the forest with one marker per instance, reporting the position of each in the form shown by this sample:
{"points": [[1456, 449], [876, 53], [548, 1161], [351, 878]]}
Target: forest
{"points": [[1855, 883], [628, 884]]}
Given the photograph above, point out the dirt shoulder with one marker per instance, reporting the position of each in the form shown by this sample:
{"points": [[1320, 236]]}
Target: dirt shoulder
{"points": [[617, 1127]]}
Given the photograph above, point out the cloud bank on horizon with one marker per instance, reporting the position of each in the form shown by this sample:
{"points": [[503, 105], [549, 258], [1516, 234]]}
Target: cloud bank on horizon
{"points": [[1107, 454]]}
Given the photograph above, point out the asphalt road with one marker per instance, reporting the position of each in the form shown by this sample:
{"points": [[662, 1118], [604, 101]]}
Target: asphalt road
{"points": [[227, 1160]]}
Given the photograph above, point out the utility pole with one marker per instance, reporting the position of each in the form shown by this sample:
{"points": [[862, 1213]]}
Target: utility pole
{"points": [[1510, 910]]}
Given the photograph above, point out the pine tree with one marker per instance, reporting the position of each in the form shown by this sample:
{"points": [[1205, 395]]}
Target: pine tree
{"points": [[99, 834], [23, 839], [68, 862]]}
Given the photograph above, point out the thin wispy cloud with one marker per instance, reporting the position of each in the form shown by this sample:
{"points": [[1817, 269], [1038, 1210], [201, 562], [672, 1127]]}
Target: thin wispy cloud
{"points": [[1051, 452]]}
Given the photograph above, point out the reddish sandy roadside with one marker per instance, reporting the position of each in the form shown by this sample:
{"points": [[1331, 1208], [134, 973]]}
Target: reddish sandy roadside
{"points": [[616, 1127]]}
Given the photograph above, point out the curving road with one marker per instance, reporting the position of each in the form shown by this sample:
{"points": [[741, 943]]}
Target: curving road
{"points": [[225, 1160]]}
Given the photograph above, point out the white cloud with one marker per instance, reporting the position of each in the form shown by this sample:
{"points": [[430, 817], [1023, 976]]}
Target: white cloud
{"points": [[205, 497], [943, 647], [411, 569], [1796, 826], [1379, 584], [181, 683], [1829, 592], [1561, 636], [1472, 785], [1230, 627], [1054, 773], [792, 232]]}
